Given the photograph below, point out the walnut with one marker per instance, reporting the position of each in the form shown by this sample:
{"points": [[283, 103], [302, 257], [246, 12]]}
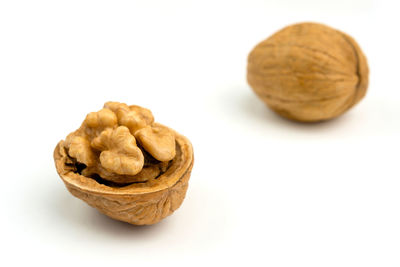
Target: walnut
{"points": [[119, 152], [308, 72], [96, 122], [79, 148], [103, 118], [134, 117], [158, 141], [114, 106], [126, 165]]}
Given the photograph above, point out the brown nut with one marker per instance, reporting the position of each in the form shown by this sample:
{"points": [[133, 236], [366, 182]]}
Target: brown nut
{"points": [[137, 203], [102, 118], [308, 72], [158, 141], [101, 164], [114, 106], [135, 117], [79, 148], [119, 153]]}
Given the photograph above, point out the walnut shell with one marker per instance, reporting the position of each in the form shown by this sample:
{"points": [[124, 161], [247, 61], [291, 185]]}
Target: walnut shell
{"points": [[137, 203], [308, 72]]}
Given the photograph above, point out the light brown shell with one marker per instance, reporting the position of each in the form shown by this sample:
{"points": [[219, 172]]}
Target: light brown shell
{"points": [[137, 203], [308, 72]]}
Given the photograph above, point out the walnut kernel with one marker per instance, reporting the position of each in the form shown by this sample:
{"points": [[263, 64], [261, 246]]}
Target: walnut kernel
{"points": [[106, 144]]}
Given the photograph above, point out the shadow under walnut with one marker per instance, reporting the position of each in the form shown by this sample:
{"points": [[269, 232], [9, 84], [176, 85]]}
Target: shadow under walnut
{"points": [[139, 203]]}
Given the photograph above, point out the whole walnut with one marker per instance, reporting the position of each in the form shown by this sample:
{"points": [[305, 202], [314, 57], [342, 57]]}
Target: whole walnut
{"points": [[308, 72]]}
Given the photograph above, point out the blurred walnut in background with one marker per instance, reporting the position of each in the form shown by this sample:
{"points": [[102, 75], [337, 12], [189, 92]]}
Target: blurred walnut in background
{"points": [[308, 72], [126, 165]]}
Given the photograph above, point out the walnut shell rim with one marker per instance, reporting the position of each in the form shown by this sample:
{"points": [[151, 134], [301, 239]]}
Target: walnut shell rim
{"points": [[138, 203]]}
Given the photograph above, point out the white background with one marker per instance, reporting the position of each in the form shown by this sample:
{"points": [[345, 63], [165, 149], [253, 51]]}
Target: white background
{"points": [[263, 191]]}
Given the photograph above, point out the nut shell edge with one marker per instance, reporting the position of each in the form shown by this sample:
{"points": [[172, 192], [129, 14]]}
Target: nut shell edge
{"points": [[138, 204]]}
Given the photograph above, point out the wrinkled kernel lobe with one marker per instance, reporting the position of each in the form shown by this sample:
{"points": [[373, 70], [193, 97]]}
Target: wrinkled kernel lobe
{"points": [[106, 143]]}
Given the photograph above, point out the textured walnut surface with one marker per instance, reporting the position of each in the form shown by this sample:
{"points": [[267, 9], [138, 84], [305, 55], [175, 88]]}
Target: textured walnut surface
{"points": [[308, 72], [102, 164], [121, 144]]}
